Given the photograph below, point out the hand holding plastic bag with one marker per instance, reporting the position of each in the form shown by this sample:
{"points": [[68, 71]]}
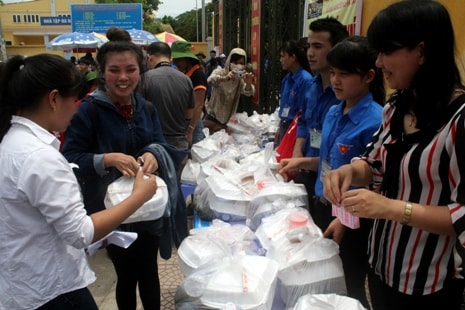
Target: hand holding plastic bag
{"points": [[154, 208]]}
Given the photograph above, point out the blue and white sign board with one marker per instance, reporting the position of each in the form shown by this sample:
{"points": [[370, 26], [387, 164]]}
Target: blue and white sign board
{"points": [[99, 17], [55, 20]]}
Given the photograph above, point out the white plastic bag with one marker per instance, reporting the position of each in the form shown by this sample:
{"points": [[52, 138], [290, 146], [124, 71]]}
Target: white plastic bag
{"points": [[190, 172], [327, 302], [153, 209]]}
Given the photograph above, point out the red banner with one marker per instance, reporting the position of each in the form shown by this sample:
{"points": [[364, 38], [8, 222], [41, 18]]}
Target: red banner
{"points": [[255, 45]]}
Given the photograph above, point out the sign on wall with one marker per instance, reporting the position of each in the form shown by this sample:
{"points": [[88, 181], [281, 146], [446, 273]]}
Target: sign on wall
{"points": [[55, 20], [348, 12], [99, 17]]}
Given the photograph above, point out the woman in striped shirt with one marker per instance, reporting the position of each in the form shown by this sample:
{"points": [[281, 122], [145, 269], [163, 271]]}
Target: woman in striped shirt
{"points": [[415, 162]]}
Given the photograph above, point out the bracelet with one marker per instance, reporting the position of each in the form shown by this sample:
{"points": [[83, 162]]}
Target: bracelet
{"points": [[191, 127], [407, 213]]}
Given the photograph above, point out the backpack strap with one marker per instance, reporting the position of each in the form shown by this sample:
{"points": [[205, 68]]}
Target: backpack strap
{"points": [[149, 107]]}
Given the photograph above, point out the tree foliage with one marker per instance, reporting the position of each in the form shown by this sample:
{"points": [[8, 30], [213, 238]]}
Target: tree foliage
{"points": [[189, 23]]}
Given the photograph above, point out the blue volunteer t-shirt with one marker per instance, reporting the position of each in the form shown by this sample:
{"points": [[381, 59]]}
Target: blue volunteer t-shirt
{"points": [[345, 136], [315, 107], [294, 89]]}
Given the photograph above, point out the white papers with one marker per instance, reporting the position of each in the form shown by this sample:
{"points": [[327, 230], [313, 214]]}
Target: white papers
{"points": [[119, 238]]}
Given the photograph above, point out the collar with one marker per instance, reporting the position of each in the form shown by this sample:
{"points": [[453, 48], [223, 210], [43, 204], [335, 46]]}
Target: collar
{"points": [[356, 113], [163, 64], [192, 70], [40, 132]]}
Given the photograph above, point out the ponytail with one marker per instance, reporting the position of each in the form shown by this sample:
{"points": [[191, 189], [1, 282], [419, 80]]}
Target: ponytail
{"points": [[25, 80], [8, 107]]}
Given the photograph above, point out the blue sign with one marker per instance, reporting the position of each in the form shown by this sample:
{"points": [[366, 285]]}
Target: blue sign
{"points": [[55, 20], [99, 17]]}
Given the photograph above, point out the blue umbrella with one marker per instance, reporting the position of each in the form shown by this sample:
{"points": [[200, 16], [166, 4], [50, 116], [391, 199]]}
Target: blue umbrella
{"points": [[72, 40], [142, 37]]}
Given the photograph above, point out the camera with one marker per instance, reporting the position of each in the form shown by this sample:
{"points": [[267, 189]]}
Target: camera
{"points": [[239, 74]]}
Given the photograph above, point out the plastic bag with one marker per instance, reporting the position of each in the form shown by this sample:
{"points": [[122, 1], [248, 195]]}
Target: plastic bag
{"points": [[327, 302], [285, 148], [190, 172], [248, 282], [153, 209]]}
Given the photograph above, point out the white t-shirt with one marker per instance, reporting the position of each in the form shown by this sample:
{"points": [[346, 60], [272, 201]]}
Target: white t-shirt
{"points": [[44, 227]]}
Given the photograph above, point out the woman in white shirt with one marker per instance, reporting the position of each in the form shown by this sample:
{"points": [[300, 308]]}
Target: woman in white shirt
{"points": [[44, 227]]}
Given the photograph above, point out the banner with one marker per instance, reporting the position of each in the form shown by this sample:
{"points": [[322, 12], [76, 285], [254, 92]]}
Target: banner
{"points": [[348, 12], [255, 45]]}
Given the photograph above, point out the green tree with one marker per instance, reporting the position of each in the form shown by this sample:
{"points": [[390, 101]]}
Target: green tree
{"points": [[189, 23], [168, 20]]}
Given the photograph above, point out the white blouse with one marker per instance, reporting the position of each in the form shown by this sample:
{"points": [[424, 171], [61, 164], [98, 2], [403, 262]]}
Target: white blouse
{"points": [[44, 227]]}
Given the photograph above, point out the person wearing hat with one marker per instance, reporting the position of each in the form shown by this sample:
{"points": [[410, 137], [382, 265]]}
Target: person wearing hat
{"points": [[188, 63], [223, 58], [92, 81]]}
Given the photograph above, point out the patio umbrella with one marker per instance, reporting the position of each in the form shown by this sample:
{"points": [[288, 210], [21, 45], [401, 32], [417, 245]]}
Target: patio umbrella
{"points": [[142, 37], [74, 40], [169, 37], [101, 36]]}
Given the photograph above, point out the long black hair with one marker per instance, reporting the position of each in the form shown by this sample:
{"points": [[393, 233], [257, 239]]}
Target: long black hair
{"points": [[299, 49], [354, 55], [406, 24], [25, 80]]}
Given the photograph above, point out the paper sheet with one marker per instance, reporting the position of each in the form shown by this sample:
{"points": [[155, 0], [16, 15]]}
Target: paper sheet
{"points": [[120, 238], [346, 218]]}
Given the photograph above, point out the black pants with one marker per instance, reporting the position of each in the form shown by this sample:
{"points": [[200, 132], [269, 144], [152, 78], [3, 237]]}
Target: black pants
{"points": [[308, 179], [384, 297], [283, 126], [76, 300], [352, 250], [137, 265]]}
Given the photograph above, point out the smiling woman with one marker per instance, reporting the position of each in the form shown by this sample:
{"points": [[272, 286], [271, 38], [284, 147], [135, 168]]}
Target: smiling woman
{"points": [[114, 127], [414, 161]]}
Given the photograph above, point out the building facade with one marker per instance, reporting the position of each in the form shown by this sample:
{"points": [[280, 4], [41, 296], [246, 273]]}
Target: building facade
{"points": [[28, 25]]}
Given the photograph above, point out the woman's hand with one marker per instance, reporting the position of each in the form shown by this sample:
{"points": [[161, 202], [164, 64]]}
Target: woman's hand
{"points": [[231, 74], [145, 185], [336, 182], [249, 77], [149, 163], [126, 164], [368, 204]]}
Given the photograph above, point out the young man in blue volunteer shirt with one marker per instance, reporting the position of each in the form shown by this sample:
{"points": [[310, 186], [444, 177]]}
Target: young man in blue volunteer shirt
{"points": [[324, 34]]}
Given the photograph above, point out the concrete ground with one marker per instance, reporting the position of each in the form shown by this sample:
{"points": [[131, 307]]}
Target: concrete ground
{"points": [[103, 289]]}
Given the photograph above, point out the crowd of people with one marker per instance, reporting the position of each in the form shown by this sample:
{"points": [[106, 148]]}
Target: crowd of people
{"points": [[391, 161]]}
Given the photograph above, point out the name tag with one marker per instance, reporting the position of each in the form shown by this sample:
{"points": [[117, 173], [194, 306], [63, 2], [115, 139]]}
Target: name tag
{"points": [[315, 138], [285, 111], [325, 168]]}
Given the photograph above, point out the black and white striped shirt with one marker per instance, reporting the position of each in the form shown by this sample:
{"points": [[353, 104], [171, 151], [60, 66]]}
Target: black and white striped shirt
{"points": [[409, 259]]}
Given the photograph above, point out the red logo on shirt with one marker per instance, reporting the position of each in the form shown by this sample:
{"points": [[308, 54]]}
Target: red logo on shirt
{"points": [[343, 148]]}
